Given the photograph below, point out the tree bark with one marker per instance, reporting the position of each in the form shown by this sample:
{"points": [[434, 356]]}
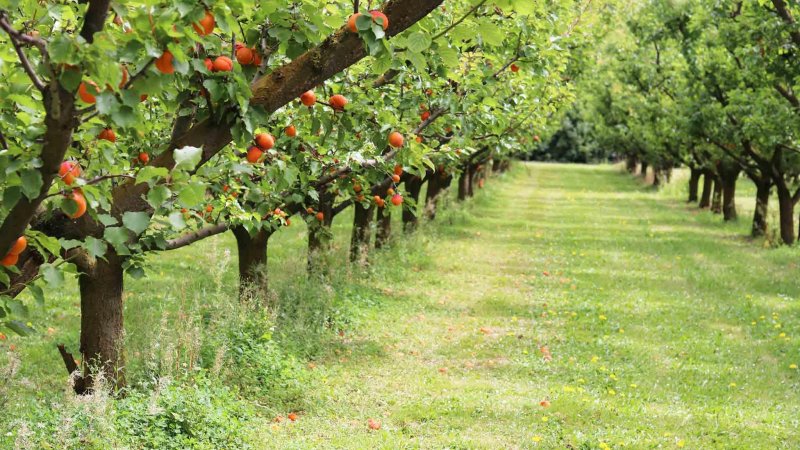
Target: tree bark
{"points": [[630, 164], [656, 177], [786, 213], [708, 182], [413, 186], [643, 173], [763, 192], [729, 174], [102, 325], [694, 182], [253, 277], [359, 241], [496, 164], [464, 183], [319, 232], [716, 198], [472, 179], [384, 231]]}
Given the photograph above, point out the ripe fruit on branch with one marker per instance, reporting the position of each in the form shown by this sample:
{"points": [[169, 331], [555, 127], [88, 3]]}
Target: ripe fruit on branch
{"points": [[108, 135], [351, 23], [390, 191], [377, 198], [124, 77], [396, 178], [68, 171], [418, 139], [164, 63], [379, 15], [398, 169], [425, 115], [244, 55], [206, 25], [223, 64], [209, 64], [265, 141], [144, 158], [397, 199], [338, 102], [19, 246], [291, 131], [86, 93], [320, 216], [77, 197], [254, 154], [536, 138], [514, 68], [396, 139], [9, 260], [356, 188], [308, 98]]}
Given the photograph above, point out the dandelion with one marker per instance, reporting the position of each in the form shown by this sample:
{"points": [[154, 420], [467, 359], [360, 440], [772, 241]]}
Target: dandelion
{"points": [[621, 330], [633, 385], [603, 317], [793, 366], [612, 392], [604, 446], [537, 438], [733, 385], [782, 335], [595, 359], [681, 443], [545, 418]]}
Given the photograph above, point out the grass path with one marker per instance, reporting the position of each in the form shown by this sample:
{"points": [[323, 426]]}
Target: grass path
{"points": [[665, 329]]}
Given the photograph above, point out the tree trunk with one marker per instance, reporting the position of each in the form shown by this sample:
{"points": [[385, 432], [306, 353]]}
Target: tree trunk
{"points": [[253, 279], [359, 241], [643, 173], [102, 326], [708, 182], [383, 217], [413, 186], [656, 177], [763, 192], [716, 199], [496, 164], [630, 164], [694, 183], [729, 175], [786, 213], [464, 183], [319, 232]]}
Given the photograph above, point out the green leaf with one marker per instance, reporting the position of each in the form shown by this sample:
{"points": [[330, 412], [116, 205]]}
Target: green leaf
{"points": [[491, 34], [192, 195], [176, 220], [158, 195], [95, 247], [53, 276], [37, 293], [418, 42], [17, 308], [31, 182], [136, 221], [20, 328], [187, 157]]}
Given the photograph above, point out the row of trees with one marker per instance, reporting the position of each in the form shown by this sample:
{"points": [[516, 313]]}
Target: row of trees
{"points": [[148, 126], [708, 85]]}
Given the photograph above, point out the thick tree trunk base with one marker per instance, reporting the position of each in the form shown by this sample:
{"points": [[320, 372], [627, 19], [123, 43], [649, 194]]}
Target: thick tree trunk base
{"points": [[102, 324], [763, 192], [716, 198], [360, 238], [708, 183], [253, 278], [694, 184], [413, 186]]}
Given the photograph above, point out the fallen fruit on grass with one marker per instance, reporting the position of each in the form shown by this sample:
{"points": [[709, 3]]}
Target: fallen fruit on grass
{"points": [[373, 424], [545, 403], [292, 416]]}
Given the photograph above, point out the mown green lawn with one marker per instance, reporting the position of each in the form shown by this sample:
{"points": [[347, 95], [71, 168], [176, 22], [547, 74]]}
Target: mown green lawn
{"points": [[643, 322]]}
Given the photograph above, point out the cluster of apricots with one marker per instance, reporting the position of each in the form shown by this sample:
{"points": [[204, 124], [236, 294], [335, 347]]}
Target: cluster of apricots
{"points": [[377, 17], [68, 172], [263, 142], [319, 215], [12, 256]]}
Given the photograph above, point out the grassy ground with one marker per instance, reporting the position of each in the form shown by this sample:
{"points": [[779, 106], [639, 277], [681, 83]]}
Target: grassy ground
{"points": [[642, 321]]}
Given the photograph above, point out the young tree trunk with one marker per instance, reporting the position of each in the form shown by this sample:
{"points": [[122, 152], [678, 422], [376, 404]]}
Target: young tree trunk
{"points": [[643, 173], [729, 175], [496, 164], [656, 177], [716, 198], [413, 186], [319, 232], [472, 179], [464, 183], [694, 183], [102, 325], [359, 240], [763, 192], [383, 217], [631, 163], [708, 182], [785, 212], [252, 250]]}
